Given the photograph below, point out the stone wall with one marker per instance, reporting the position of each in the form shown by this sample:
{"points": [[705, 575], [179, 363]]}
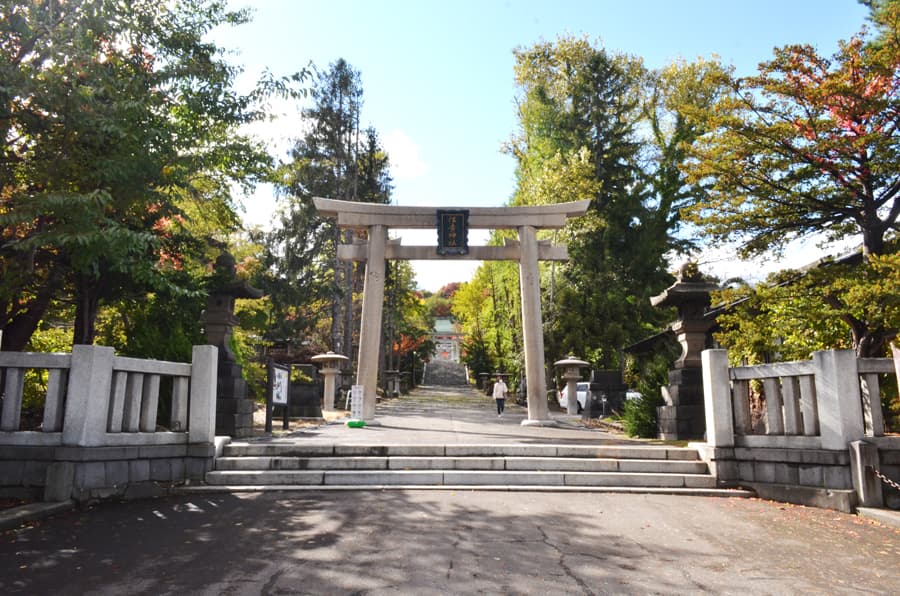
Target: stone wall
{"points": [[90, 473], [100, 436], [819, 436], [815, 477]]}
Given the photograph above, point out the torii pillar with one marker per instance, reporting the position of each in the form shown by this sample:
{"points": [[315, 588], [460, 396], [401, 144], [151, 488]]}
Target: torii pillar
{"points": [[370, 322], [532, 328], [452, 226]]}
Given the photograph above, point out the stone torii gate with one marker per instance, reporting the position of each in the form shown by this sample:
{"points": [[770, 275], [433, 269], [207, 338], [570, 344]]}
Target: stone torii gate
{"points": [[452, 226]]}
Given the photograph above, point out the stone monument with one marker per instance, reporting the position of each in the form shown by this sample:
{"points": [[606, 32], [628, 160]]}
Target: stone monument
{"points": [[234, 408], [683, 416]]}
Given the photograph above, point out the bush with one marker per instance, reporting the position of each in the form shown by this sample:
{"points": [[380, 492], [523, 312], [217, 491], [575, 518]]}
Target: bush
{"points": [[639, 415], [648, 372]]}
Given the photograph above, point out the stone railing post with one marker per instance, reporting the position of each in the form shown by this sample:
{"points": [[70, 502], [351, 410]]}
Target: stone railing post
{"points": [[87, 399], [838, 396], [863, 462], [717, 399], [204, 368]]}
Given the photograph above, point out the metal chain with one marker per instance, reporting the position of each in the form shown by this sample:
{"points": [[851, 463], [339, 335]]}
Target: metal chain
{"points": [[884, 478]]}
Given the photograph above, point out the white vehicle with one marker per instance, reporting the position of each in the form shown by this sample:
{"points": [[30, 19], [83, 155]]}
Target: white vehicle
{"points": [[581, 391]]}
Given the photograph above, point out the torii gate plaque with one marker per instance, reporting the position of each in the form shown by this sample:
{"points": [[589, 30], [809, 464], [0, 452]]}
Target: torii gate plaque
{"points": [[377, 218]]}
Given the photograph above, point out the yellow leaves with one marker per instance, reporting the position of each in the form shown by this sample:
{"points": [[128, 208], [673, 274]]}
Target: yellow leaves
{"points": [[566, 176]]}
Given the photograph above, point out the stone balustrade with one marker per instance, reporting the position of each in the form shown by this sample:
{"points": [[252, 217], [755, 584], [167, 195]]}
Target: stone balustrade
{"points": [[100, 434], [797, 444]]}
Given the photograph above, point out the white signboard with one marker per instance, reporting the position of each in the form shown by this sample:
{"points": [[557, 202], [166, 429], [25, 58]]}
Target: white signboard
{"points": [[280, 386], [356, 402]]}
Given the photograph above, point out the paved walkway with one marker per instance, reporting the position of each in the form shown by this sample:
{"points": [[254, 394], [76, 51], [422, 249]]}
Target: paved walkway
{"points": [[436, 415], [426, 542], [449, 542]]}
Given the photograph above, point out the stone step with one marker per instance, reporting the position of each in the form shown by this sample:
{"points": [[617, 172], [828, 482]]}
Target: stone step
{"points": [[445, 373], [470, 478], [512, 463], [289, 488], [293, 449]]}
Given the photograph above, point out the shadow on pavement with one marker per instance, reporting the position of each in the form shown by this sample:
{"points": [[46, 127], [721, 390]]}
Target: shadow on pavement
{"points": [[438, 542]]}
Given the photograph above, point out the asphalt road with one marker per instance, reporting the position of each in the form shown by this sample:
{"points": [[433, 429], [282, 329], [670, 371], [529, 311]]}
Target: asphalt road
{"points": [[449, 542]]}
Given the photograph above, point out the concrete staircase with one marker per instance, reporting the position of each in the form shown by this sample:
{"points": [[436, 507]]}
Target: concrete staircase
{"points": [[642, 469], [445, 373]]}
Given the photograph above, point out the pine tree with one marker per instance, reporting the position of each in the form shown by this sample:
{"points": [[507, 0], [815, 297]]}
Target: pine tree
{"points": [[334, 159]]}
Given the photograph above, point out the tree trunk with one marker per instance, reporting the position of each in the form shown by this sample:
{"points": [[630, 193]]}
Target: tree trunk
{"points": [[19, 330], [87, 301], [22, 325], [336, 338], [872, 344], [349, 282], [873, 240]]}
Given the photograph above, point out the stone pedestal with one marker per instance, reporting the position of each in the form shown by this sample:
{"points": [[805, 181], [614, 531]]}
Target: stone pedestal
{"points": [[607, 394], [234, 409], [328, 395], [684, 415], [392, 382], [306, 400], [482, 382]]}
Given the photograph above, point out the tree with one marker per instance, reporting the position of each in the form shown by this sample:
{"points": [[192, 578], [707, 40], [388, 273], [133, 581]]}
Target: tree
{"points": [[670, 100], [408, 320], [117, 117], [810, 146], [848, 304], [579, 138], [807, 146], [470, 307], [301, 270]]}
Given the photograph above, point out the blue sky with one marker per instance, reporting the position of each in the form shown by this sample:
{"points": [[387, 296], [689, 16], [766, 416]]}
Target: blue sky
{"points": [[438, 76]]}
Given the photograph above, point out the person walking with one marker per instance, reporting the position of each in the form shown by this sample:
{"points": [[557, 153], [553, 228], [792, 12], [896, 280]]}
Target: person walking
{"points": [[500, 391]]}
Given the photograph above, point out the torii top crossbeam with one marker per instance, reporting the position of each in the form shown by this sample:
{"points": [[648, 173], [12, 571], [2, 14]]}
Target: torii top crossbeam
{"points": [[351, 214]]}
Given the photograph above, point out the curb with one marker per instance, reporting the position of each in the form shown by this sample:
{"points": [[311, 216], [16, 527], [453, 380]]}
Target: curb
{"points": [[635, 490], [888, 517], [16, 516]]}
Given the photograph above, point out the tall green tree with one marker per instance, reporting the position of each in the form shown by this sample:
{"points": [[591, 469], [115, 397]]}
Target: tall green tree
{"points": [[490, 320], [336, 159], [116, 115], [671, 100], [471, 303], [580, 111]]}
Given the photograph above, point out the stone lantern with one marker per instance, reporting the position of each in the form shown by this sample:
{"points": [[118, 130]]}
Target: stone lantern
{"points": [[234, 408], [331, 368], [484, 382], [571, 367], [392, 379], [683, 416]]}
